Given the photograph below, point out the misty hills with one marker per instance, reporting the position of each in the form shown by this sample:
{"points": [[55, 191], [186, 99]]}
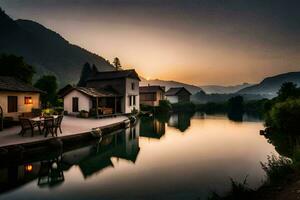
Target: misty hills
{"points": [[219, 89], [168, 84], [46, 50], [269, 86]]}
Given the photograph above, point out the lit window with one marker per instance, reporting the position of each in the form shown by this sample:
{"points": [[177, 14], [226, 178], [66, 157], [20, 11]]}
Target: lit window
{"points": [[28, 168], [28, 100]]}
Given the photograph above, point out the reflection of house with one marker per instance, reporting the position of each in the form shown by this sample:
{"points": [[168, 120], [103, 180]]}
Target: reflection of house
{"points": [[151, 95], [92, 159], [181, 121], [178, 95], [17, 97], [108, 92], [151, 128]]}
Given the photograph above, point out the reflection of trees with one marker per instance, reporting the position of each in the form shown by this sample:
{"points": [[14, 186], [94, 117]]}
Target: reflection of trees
{"points": [[285, 144]]}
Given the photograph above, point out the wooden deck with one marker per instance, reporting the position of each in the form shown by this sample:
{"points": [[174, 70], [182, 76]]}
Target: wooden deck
{"points": [[70, 126]]}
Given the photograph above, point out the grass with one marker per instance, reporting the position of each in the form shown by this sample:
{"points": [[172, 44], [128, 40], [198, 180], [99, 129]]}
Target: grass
{"points": [[277, 168], [237, 191]]}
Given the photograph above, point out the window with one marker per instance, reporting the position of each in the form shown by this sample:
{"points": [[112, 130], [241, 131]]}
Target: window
{"points": [[27, 100], [130, 101], [132, 86], [12, 104], [75, 104], [133, 100], [148, 97]]}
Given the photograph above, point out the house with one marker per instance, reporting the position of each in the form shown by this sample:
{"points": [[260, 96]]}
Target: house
{"points": [[108, 92], [151, 95], [178, 95], [17, 97]]}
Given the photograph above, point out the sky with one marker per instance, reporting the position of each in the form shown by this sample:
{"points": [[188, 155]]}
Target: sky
{"points": [[199, 42]]}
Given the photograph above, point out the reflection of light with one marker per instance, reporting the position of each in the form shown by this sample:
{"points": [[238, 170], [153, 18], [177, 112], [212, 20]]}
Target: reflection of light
{"points": [[28, 168]]}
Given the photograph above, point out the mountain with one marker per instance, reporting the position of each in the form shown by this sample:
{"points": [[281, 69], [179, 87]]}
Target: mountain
{"points": [[168, 84], [218, 89], [270, 86], [46, 50]]}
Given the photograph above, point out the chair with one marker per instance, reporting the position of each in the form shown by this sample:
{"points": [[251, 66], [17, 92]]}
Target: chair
{"points": [[49, 126], [57, 123], [27, 124]]}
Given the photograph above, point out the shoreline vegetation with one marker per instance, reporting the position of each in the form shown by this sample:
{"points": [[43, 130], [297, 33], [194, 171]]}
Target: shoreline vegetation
{"points": [[281, 116]]}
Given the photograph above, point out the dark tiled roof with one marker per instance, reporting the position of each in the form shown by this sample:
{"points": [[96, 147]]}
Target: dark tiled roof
{"points": [[12, 84], [151, 88], [92, 92], [174, 91], [131, 73]]}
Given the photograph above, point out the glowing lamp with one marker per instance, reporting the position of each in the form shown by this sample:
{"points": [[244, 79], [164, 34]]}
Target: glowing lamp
{"points": [[28, 168], [28, 100]]}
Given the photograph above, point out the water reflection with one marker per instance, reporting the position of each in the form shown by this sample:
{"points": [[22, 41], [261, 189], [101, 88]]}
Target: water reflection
{"points": [[181, 121], [124, 165], [90, 159]]}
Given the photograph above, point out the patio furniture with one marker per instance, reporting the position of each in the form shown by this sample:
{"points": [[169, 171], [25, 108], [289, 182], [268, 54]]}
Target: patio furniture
{"points": [[57, 124], [49, 126], [28, 124]]}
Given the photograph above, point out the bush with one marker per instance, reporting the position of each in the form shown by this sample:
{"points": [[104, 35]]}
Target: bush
{"points": [[184, 107], [164, 106], [277, 168], [285, 116], [83, 114]]}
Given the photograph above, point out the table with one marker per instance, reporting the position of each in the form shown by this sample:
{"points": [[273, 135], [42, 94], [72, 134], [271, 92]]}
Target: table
{"points": [[47, 129]]}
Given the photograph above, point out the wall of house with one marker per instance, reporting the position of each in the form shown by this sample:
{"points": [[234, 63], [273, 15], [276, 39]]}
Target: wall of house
{"points": [[183, 96], [172, 99], [84, 102], [159, 95], [132, 92], [22, 107], [117, 84]]}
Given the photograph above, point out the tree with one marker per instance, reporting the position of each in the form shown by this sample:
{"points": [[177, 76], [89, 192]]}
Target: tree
{"points": [[85, 73], [15, 66], [285, 116], [236, 108], [48, 84], [117, 64], [288, 90]]}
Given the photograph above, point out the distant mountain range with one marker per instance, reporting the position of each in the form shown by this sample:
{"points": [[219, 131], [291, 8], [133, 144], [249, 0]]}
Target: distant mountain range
{"points": [[269, 86], [218, 89], [168, 84], [46, 50]]}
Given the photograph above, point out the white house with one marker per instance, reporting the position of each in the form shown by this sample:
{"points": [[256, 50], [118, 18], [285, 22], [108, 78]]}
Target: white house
{"points": [[104, 92], [17, 97]]}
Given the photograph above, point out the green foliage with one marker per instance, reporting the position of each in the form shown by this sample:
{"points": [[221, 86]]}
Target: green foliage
{"points": [[15, 66], [48, 84], [255, 107], [288, 90], [237, 191], [184, 107], [236, 104], [285, 116], [117, 63], [164, 106], [277, 168], [83, 114]]}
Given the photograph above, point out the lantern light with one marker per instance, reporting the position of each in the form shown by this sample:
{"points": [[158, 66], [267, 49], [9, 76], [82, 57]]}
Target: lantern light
{"points": [[28, 100]]}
